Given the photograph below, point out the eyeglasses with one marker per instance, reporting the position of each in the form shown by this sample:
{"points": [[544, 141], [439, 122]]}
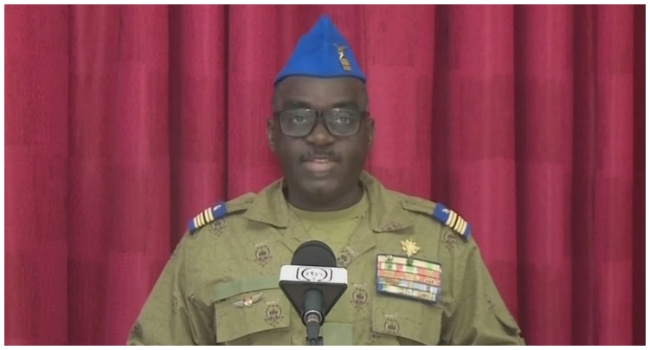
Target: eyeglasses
{"points": [[338, 121]]}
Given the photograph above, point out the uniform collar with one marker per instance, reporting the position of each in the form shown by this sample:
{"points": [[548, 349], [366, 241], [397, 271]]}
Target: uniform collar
{"points": [[386, 211]]}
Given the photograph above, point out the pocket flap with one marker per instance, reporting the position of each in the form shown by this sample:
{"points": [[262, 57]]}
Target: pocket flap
{"points": [[229, 289], [249, 306]]}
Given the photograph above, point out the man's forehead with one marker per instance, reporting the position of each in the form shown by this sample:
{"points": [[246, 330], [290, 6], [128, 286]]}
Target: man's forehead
{"points": [[321, 92]]}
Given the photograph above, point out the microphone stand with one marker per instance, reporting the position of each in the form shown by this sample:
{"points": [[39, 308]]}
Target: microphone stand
{"points": [[313, 329], [313, 316]]}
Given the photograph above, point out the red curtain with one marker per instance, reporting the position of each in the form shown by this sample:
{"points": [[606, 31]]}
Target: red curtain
{"points": [[122, 122]]}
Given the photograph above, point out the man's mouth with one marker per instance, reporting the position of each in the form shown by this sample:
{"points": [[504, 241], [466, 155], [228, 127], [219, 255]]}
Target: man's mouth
{"points": [[319, 165]]}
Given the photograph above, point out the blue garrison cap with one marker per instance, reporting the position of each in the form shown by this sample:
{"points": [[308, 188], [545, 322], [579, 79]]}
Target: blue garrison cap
{"points": [[324, 53]]}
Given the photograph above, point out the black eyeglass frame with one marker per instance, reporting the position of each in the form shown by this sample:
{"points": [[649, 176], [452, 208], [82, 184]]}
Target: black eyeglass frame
{"points": [[321, 117]]}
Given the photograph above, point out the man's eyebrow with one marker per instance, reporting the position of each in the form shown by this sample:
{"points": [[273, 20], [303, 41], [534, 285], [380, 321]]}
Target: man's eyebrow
{"points": [[346, 104]]}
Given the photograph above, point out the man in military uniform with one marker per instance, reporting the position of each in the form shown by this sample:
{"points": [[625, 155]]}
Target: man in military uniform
{"points": [[415, 274]]}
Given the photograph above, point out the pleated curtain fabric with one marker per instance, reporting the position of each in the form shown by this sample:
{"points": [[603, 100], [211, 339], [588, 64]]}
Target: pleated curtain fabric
{"points": [[122, 122]]}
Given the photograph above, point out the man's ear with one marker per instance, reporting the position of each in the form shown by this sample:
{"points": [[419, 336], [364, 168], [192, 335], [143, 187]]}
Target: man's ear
{"points": [[270, 124], [370, 131]]}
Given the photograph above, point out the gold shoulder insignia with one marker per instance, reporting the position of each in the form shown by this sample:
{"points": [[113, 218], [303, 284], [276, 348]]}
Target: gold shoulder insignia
{"points": [[207, 216], [218, 211], [453, 220]]}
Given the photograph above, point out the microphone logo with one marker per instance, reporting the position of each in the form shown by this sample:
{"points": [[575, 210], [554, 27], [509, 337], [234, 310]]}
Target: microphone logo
{"points": [[314, 274]]}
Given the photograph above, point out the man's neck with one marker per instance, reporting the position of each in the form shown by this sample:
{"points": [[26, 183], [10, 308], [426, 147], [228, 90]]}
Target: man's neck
{"points": [[343, 202]]}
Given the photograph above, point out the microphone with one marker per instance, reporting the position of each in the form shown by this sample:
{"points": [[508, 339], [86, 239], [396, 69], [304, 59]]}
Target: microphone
{"points": [[313, 284]]}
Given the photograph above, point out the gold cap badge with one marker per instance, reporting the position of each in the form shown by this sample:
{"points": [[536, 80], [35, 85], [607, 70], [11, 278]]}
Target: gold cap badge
{"points": [[345, 63]]}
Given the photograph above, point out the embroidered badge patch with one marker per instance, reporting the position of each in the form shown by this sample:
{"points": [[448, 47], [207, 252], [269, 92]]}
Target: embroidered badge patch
{"points": [[262, 253], [408, 277], [359, 296], [273, 314]]}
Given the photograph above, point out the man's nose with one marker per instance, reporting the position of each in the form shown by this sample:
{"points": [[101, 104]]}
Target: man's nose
{"points": [[320, 135]]}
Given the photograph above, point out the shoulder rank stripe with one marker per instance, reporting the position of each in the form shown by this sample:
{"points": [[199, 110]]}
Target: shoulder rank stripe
{"points": [[207, 216], [453, 220]]}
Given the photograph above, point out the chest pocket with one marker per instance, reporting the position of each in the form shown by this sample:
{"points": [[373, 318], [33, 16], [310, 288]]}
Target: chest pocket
{"points": [[411, 321], [251, 306]]}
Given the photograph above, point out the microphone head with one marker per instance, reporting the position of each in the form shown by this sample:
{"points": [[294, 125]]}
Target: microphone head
{"points": [[314, 253]]}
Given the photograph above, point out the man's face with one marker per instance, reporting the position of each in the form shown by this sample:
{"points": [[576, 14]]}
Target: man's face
{"points": [[321, 167]]}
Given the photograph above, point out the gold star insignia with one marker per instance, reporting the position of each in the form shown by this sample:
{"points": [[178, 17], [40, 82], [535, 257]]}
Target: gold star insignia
{"points": [[411, 248]]}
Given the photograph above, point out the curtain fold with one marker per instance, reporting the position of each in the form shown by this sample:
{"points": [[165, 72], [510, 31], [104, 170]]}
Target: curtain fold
{"points": [[124, 121], [544, 102]]}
